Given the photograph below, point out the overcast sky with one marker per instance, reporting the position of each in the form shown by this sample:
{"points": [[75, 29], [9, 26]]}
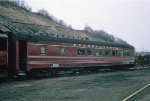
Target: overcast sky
{"points": [[126, 19]]}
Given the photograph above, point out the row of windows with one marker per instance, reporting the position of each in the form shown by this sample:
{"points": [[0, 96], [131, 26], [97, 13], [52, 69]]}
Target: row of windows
{"points": [[99, 52], [90, 51]]}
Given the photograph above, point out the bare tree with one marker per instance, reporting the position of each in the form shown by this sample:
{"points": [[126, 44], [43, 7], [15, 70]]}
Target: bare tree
{"points": [[69, 26], [61, 22], [88, 28], [17, 3], [43, 12]]}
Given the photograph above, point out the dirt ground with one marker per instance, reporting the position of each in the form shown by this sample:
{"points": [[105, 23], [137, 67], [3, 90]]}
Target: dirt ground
{"points": [[109, 86]]}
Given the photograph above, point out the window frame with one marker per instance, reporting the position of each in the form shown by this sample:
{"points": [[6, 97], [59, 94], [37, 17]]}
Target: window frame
{"points": [[62, 48], [100, 51], [121, 51], [90, 50], [3, 44], [115, 52], [107, 50], [83, 50], [43, 50]]}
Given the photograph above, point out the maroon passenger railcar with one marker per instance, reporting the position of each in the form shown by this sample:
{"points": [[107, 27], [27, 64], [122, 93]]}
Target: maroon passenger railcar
{"points": [[3, 54], [44, 53]]}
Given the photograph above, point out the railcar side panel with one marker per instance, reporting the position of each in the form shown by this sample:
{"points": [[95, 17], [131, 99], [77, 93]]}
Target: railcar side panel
{"points": [[68, 57]]}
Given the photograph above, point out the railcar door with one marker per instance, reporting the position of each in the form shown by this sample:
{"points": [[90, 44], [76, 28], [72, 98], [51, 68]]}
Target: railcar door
{"points": [[23, 55], [11, 54], [3, 55]]}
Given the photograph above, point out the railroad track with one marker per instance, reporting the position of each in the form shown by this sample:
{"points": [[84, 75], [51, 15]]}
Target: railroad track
{"points": [[138, 94], [68, 73]]}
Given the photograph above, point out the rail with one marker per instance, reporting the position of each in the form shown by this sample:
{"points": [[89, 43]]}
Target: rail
{"points": [[135, 93]]}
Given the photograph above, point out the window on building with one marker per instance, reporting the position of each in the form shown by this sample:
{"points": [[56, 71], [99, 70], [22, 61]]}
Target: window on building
{"points": [[107, 52], [81, 51], [43, 50], [62, 50], [98, 52], [90, 51]]}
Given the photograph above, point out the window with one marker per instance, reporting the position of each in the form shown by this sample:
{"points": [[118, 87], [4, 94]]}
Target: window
{"points": [[107, 52], [125, 53], [131, 53], [62, 50], [128, 53], [90, 51], [114, 53], [98, 52], [119, 53], [43, 50], [3, 44], [81, 51]]}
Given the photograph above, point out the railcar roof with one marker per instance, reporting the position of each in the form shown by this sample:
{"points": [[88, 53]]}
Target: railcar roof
{"points": [[3, 36], [51, 38]]}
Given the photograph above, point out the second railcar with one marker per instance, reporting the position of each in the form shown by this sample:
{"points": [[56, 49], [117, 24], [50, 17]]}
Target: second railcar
{"points": [[3, 55]]}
